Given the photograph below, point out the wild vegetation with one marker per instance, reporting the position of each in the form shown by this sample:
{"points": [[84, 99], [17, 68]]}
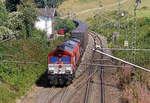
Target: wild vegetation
{"points": [[124, 32], [11, 5], [83, 9], [16, 75], [20, 22], [137, 33], [68, 25], [49, 3]]}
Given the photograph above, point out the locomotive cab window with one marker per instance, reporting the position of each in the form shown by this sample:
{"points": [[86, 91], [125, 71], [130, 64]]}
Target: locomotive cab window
{"points": [[66, 59], [63, 59], [54, 59]]}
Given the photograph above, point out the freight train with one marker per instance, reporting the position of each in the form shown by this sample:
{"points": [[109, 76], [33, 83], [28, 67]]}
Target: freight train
{"points": [[63, 61]]}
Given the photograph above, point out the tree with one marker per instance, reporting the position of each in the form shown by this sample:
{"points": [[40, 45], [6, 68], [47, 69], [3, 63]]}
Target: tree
{"points": [[3, 14], [15, 21], [50, 3], [68, 25], [5, 32], [29, 17], [11, 5]]}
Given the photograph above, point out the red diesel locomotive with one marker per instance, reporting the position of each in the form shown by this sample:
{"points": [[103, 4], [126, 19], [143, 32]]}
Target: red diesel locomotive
{"points": [[62, 62]]}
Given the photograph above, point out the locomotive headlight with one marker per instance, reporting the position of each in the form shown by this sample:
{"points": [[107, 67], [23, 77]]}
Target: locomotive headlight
{"points": [[50, 71], [68, 70]]}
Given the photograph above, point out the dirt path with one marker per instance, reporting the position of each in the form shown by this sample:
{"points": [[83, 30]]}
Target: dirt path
{"points": [[99, 8]]}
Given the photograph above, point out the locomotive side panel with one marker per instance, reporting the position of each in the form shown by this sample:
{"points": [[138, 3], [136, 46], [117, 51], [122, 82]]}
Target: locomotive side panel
{"points": [[81, 33], [61, 70]]}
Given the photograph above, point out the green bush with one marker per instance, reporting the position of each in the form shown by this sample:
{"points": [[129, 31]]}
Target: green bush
{"points": [[100, 25], [50, 3], [23, 76], [68, 25]]}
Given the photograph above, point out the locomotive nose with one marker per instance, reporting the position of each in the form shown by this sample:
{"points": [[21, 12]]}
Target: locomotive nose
{"points": [[59, 66]]}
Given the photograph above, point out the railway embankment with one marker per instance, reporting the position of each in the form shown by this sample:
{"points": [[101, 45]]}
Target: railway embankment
{"points": [[22, 62], [132, 82], [47, 94]]}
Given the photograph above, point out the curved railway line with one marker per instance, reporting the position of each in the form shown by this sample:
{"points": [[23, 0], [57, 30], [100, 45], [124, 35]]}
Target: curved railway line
{"points": [[84, 82], [88, 86]]}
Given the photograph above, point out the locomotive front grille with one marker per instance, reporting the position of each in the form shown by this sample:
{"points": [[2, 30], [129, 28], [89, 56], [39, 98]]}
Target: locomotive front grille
{"points": [[57, 69]]}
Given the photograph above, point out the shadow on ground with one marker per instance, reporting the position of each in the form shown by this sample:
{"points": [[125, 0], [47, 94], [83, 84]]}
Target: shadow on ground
{"points": [[43, 80]]}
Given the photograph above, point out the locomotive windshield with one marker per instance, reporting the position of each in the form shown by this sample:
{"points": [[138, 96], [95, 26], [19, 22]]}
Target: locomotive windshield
{"points": [[54, 59], [63, 59], [66, 59]]}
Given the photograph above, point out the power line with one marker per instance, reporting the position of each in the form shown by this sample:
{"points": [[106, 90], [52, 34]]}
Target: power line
{"points": [[122, 49], [134, 65]]}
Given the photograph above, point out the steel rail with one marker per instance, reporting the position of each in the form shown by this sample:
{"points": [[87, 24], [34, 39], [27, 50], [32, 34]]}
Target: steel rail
{"points": [[64, 95], [102, 88], [87, 92], [102, 99], [102, 65], [55, 96]]}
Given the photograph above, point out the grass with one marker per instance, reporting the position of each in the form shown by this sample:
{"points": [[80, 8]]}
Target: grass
{"points": [[129, 77], [127, 29], [77, 6], [20, 77]]}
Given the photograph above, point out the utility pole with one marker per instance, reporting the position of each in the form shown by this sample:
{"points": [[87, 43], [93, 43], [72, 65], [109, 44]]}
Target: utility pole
{"points": [[137, 2], [46, 14], [119, 12]]}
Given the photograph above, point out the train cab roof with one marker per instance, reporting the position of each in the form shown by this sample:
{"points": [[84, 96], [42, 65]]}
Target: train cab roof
{"points": [[68, 45], [76, 40]]}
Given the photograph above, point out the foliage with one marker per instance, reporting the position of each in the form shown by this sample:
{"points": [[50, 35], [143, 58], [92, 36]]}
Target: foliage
{"points": [[29, 15], [19, 22], [106, 28], [50, 3], [22, 76], [68, 25], [4, 32], [3, 14], [128, 77], [15, 21], [11, 5]]}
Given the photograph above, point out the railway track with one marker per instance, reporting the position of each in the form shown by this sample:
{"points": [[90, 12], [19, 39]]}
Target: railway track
{"points": [[65, 93], [82, 90], [98, 44], [86, 84]]}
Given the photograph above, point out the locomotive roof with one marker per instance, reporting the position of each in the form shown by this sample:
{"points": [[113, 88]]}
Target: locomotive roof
{"points": [[68, 45], [81, 27]]}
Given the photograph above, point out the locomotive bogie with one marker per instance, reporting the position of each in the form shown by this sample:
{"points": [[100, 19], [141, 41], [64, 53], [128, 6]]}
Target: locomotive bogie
{"points": [[60, 79]]}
